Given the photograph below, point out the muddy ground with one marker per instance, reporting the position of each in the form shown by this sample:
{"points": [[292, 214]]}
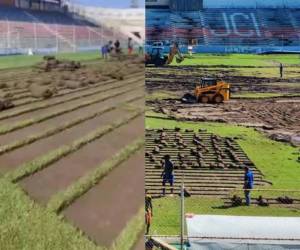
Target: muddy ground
{"points": [[279, 117]]}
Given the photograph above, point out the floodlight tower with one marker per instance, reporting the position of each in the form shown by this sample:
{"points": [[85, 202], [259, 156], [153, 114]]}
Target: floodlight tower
{"points": [[134, 4]]}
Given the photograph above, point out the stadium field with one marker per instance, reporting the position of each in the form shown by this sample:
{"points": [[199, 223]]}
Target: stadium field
{"points": [[42, 201], [262, 104], [17, 61]]}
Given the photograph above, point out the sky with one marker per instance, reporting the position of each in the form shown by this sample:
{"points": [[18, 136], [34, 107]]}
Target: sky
{"points": [[108, 3]]}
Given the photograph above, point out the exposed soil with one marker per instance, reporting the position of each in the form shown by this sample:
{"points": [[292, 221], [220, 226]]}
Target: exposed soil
{"points": [[96, 212], [123, 92], [184, 78], [278, 117], [61, 174], [67, 117]]}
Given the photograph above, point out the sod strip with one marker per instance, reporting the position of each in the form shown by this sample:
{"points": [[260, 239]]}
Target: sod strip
{"points": [[44, 161], [99, 84], [45, 105], [30, 139], [63, 199], [131, 233], [7, 129]]}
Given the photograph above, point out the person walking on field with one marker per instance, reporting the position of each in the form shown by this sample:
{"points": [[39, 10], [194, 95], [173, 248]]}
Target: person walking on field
{"points": [[248, 184], [281, 70], [117, 47], [104, 51], [167, 174], [130, 46], [148, 211]]}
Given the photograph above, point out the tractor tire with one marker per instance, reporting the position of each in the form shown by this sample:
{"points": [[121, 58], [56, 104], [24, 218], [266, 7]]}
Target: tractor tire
{"points": [[218, 99], [204, 99]]}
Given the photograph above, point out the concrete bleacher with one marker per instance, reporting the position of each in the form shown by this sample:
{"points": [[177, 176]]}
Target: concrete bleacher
{"points": [[226, 27], [42, 32]]}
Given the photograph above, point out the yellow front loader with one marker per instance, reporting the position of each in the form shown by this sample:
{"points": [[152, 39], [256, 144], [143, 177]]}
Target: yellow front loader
{"points": [[210, 90]]}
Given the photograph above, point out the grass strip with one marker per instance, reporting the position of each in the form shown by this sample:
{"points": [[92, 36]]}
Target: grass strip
{"points": [[33, 138], [7, 128], [130, 234], [28, 226], [42, 162], [45, 105], [99, 84], [63, 199]]}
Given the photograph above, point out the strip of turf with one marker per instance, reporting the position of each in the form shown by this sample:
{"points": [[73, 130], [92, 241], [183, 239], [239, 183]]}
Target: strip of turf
{"points": [[6, 128], [276, 160], [62, 199], [44, 161], [28, 226], [45, 105], [130, 234], [33, 138]]}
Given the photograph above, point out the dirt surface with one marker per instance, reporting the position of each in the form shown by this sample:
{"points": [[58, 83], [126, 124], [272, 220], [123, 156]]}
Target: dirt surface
{"points": [[210, 165], [184, 78], [279, 117], [61, 174], [273, 116], [93, 211], [107, 87]]}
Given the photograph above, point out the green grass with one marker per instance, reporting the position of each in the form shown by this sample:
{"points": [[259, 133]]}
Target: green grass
{"points": [[66, 197], [27, 226], [277, 161], [160, 95], [166, 220], [7, 62], [262, 95], [129, 235], [240, 60], [44, 161]]}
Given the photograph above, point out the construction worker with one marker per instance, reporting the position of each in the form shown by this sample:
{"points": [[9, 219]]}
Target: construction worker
{"points": [[167, 173], [104, 51], [281, 70], [130, 46], [117, 47], [248, 184], [148, 211]]}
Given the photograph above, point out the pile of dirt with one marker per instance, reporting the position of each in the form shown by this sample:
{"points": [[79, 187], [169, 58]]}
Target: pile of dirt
{"points": [[51, 63]]}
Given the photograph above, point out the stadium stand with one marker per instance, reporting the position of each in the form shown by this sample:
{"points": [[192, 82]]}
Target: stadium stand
{"points": [[46, 32], [218, 29]]}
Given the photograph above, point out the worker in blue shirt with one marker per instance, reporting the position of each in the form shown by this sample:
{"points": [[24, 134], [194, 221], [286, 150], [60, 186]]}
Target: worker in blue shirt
{"points": [[167, 173], [248, 184]]}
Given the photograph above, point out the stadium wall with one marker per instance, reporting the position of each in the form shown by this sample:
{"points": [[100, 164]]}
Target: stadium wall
{"points": [[233, 49]]}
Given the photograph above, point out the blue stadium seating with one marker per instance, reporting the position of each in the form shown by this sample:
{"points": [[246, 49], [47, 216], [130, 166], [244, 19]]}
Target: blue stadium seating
{"points": [[225, 27]]}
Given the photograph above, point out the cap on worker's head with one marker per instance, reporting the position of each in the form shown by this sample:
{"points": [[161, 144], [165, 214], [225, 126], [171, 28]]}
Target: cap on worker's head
{"points": [[167, 157]]}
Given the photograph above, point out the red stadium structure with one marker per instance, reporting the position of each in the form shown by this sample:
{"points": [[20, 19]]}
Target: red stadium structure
{"points": [[46, 26]]}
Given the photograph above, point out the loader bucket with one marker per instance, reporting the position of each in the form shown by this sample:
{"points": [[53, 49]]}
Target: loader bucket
{"points": [[179, 59], [188, 98]]}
